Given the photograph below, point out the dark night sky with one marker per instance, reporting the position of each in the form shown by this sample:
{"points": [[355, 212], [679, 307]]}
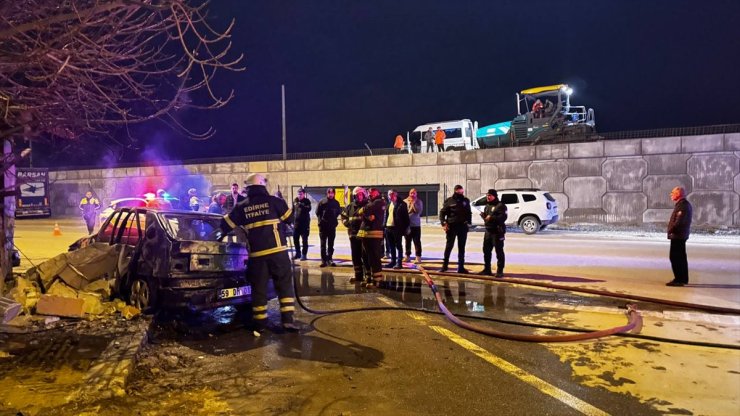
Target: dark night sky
{"points": [[364, 71]]}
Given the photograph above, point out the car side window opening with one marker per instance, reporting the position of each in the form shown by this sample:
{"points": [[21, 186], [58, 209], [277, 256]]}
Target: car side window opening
{"points": [[509, 199], [528, 197], [105, 233]]}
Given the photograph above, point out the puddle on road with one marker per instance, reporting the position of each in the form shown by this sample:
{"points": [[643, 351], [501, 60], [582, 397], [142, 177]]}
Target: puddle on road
{"points": [[41, 374]]}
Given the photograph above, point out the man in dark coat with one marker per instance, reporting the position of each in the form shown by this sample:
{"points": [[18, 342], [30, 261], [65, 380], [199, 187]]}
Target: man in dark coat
{"points": [[260, 216], [233, 198], [397, 225], [494, 217], [327, 212], [679, 227], [352, 220], [455, 217], [302, 223]]}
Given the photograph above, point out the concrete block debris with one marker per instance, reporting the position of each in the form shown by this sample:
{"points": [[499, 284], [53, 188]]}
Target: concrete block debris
{"points": [[9, 309], [60, 306]]}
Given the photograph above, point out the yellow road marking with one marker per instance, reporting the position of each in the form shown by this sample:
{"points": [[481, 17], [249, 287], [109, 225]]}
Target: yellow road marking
{"points": [[526, 377]]}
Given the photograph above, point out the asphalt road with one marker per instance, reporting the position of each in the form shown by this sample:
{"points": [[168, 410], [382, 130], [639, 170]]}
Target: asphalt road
{"points": [[407, 363]]}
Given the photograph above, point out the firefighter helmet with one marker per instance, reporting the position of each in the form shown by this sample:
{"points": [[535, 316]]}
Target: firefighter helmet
{"points": [[359, 190], [255, 179]]}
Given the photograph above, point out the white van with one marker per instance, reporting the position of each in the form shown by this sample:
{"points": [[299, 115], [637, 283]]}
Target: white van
{"points": [[461, 134]]}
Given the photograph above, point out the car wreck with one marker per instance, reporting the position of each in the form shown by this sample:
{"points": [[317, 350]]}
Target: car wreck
{"points": [[155, 259]]}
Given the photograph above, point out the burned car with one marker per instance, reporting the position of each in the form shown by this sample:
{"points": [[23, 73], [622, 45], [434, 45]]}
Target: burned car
{"points": [[172, 259]]}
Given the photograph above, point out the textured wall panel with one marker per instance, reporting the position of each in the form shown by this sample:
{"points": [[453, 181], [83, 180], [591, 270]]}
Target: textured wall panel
{"points": [[658, 188], [624, 174], [585, 192], [624, 207], [713, 172], [548, 176]]}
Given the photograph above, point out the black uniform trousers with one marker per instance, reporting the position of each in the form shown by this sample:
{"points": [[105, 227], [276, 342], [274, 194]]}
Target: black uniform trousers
{"points": [[679, 263], [395, 238], [373, 249], [416, 237], [90, 222], [327, 236], [298, 235], [279, 268], [359, 259], [459, 231], [491, 240]]}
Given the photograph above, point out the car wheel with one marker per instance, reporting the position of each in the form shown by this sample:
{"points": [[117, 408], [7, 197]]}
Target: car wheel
{"points": [[530, 224], [142, 294]]}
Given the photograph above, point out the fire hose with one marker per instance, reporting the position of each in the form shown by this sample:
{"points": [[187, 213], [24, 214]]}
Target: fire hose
{"points": [[633, 325]]}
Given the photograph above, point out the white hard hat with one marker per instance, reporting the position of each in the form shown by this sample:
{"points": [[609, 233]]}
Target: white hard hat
{"points": [[255, 179], [358, 190]]}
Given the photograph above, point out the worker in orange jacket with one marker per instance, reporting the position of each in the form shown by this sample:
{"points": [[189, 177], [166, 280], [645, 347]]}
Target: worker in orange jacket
{"points": [[398, 144], [439, 139]]}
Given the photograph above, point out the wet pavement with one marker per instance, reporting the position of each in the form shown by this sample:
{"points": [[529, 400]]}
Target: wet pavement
{"points": [[407, 362]]}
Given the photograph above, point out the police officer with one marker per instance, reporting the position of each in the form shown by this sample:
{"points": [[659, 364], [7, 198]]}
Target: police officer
{"points": [[302, 224], [494, 217], [352, 220], [455, 217], [371, 235], [89, 206], [327, 212], [260, 215]]}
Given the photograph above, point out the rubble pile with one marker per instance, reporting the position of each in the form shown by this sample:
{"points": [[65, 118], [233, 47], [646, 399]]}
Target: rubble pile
{"points": [[76, 284]]}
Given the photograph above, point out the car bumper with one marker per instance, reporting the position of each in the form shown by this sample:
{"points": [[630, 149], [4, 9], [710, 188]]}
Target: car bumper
{"points": [[200, 294], [552, 220]]}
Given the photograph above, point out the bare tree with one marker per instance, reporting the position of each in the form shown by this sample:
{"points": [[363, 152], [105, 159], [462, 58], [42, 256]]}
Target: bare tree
{"points": [[75, 68]]}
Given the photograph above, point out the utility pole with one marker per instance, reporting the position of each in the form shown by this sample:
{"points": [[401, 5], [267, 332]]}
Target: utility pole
{"points": [[285, 143]]}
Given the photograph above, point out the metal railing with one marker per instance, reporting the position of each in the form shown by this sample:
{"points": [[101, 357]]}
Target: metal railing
{"points": [[670, 132]]}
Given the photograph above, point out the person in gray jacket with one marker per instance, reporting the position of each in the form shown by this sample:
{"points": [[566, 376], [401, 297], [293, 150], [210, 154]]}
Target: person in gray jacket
{"points": [[415, 207]]}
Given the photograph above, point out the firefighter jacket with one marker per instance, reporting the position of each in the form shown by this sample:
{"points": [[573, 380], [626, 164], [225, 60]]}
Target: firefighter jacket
{"points": [[680, 223], [372, 219], [494, 216], [302, 211], [260, 215], [327, 212], [455, 211], [89, 206], [351, 217]]}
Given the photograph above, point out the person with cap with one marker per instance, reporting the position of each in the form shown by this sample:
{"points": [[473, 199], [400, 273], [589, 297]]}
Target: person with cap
{"points": [[327, 212], [371, 235], [455, 217], [233, 198], [260, 216], [302, 224], [352, 219], [193, 201], [89, 205], [494, 217], [397, 226], [679, 227]]}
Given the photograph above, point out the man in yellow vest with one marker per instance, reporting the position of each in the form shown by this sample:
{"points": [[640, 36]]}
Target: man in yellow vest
{"points": [[89, 206]]}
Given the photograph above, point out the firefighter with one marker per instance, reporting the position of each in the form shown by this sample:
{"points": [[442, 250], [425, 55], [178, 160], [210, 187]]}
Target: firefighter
{"points": [[352, 220], [261, 215], [89, 207], [494, 216], [371, 234]]}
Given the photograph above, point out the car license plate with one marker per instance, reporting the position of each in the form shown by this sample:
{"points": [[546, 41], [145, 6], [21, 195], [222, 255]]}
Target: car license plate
{"points": [[234, 292]]}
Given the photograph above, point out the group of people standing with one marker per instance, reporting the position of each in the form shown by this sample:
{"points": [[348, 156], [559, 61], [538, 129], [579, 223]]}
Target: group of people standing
{"points": [[373, 222], [432, 138]]}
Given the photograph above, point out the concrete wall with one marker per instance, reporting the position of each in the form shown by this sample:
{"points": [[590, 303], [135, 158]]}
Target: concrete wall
{"points": [[619, 181]]}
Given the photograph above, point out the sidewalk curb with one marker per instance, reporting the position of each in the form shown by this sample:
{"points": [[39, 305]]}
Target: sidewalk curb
{"points": [[109, 374]]}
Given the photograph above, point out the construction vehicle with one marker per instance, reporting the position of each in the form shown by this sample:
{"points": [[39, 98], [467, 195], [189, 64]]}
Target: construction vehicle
{"points": [[544, 115]]}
